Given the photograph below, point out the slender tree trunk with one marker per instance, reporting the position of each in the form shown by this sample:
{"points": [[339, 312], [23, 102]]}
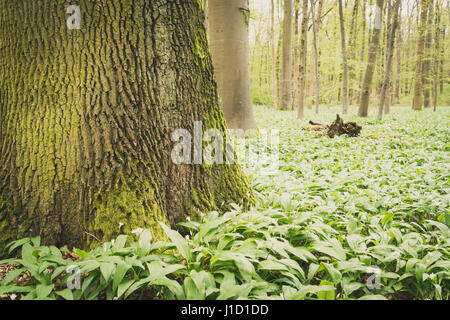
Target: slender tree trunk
{"points": [[87, 115], [351, 51], [399, 55], [344, 60], [274, 57], [366, 86], [436, 54], [385, 89], [316, 52], [302, 61], [426, 81], [441, 72], [286, 74], [296, 50], [363, 49], [229, 44], [417, 102], [205, 10], [311, 75]]}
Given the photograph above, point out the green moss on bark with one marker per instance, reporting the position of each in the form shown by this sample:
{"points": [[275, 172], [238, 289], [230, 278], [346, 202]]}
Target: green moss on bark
{"points": [[130, 206], [10, 228]]}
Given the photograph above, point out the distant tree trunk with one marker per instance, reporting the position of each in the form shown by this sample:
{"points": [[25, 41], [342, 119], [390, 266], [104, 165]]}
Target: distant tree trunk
{"points": [[311, 75], [87, 115], [366, 86], [295, 49], [302, 61], [441, 72], [229, 45], [344, 58], [205, 10], [417, 102], [351, 51], [316, 52], [274, 56], [426, 81], [399, 54], [385, 89], [286, 73], [363, 48], [436, 54]]}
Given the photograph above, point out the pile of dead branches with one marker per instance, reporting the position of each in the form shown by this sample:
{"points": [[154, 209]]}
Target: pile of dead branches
{"points": [[337, 128]]}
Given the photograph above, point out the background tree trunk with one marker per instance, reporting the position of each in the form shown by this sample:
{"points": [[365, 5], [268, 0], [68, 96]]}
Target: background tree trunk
{"points": [[300, 103], [385, 89], [437, 37], [351, 51], [316, 51], [229, 44], [373, 49], [296, 50], [426, 81], [286, 73], [311, 75], [418, 88], [274, 57], [399, 57], [86, 118], [344, 60]]}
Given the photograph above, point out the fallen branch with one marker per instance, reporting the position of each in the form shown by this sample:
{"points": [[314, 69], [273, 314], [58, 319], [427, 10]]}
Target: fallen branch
{"points": [[337, 128]]}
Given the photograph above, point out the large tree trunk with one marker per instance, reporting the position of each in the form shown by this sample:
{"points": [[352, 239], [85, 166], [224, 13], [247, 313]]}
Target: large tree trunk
{"points": [[86, 119], [300, 97], [286, 72], [385, 89], [418, 88], [229, 44], [344, 60], [373, 49]]}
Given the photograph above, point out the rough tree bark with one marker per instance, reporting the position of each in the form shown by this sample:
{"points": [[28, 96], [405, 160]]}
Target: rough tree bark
{"points": [[385, 95], [229, 44], [418, 88], [286, 71], [86, 118], [300, 97], [373, 49], [344, 60]]}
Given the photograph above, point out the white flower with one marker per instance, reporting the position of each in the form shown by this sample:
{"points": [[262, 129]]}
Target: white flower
{"points": [[120, 225], [137, 231]]}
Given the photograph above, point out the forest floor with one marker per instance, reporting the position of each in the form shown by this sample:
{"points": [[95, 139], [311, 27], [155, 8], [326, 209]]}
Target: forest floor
{"points": [[343, 218], [382, 197]]}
